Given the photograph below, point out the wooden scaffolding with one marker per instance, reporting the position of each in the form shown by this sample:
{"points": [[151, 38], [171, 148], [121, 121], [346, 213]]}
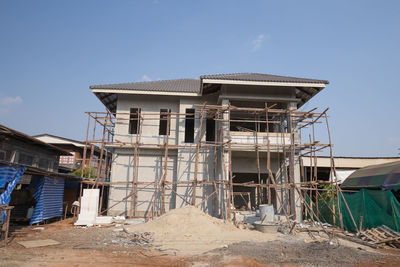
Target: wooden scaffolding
{"points": [[292, 124]]}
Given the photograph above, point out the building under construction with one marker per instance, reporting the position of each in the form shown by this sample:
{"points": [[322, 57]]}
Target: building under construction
{"points": [[221, 142]]}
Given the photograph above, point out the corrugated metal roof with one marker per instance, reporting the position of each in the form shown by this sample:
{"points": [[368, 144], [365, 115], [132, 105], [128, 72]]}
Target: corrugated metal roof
{"points": [[27, 138], [261, 78], [180, 85]]}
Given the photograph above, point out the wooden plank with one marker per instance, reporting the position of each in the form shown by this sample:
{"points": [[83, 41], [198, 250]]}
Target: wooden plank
{"points": [[38, 243]]}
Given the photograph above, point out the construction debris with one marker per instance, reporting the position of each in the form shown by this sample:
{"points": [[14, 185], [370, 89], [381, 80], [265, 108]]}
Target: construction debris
{"points": [[124, 239], [381, 235]]}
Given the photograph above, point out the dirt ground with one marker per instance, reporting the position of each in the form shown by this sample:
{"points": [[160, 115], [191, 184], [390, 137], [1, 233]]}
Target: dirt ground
{"points": [[109, 246]]}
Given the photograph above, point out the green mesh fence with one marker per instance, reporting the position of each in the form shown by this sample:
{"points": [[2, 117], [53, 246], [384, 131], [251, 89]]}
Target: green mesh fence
{"points": [[377, 208]]}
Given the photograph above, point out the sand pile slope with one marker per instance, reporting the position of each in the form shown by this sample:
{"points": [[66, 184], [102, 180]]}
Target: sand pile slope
{"points": [[188, 230]]}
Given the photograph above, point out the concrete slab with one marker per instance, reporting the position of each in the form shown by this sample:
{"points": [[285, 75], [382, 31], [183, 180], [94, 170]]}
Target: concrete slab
{"points": [[104, 220], [38, 243]]}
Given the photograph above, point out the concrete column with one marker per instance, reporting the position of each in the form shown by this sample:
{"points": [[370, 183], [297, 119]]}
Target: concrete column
{"points": [[298, 205], [224, 153], [225, 137], [281, 195], [294, 170]]}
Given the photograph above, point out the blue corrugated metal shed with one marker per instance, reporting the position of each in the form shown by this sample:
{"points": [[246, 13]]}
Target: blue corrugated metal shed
{"points": [[10, 175], [49, 193]]}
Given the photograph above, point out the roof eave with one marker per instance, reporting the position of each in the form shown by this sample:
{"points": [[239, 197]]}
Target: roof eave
{"points": [[142, 92], [267, 83]]}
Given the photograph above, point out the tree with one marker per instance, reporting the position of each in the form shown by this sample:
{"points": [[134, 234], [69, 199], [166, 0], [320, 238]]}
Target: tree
{"points": [[88, 172]]}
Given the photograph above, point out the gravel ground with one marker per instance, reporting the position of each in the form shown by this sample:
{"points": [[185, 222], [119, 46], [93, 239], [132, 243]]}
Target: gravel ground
{"points": [[111, 246], [298, 252]]}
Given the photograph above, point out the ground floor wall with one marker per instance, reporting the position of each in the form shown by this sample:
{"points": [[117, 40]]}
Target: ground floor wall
{"points": [[211, 176]]}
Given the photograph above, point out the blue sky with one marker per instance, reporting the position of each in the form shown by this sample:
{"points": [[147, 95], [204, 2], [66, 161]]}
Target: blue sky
{"points": [[52, 51]]}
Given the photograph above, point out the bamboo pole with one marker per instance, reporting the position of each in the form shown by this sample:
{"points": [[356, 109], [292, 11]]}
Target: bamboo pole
{"points": [[333, 170], [164, 177], [230, 186], [258, 164], [196, 166], [225, 145]]}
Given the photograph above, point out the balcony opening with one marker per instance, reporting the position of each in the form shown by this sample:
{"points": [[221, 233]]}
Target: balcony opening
{"points": [[255, 121], [249, 122]]}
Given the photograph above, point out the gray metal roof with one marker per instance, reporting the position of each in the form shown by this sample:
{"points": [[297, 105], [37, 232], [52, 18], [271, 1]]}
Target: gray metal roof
{"points": [[261, 78], [181, 85], [109, 97]]}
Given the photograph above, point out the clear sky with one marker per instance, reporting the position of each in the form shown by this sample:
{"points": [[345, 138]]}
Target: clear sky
{"points": [[52, 51]]}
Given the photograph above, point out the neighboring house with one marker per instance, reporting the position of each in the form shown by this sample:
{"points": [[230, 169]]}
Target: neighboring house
{"points": [[345, 166], [17, 147], [230, 111], [76, 149], [29, 178]]}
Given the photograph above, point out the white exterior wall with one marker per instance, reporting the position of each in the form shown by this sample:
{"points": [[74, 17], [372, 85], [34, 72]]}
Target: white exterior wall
{"points": [[181, 162], [148, 104], [187, 159], [150, 169], [151, 161]]}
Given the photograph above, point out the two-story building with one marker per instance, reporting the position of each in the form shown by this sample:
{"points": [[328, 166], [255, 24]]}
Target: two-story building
{"points": [[221, 142]]}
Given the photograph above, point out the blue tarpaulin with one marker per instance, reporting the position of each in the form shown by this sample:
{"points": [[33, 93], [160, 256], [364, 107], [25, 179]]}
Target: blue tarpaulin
{"points": [[8, 175], [49, 194]]}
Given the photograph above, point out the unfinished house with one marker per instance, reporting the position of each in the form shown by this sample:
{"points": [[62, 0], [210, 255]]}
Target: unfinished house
{"points": [[221, 142]]}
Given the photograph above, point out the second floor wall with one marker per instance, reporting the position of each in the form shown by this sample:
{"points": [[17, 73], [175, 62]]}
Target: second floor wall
{"points": [[184, 113]]}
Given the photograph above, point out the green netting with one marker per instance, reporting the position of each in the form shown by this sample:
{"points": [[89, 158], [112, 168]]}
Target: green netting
{"points": [[376, 206]]}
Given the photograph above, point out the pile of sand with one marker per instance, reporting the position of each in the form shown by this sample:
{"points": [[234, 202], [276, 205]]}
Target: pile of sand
{"points": [[189, 230]]}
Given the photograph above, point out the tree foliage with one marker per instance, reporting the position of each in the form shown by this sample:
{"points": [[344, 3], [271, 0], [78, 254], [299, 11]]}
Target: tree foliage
{"points": [[88, 172], [330, 194]]}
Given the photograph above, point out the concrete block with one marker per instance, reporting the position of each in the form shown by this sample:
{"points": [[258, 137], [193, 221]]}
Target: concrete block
{"points": [[89, 207], [104, 220]]}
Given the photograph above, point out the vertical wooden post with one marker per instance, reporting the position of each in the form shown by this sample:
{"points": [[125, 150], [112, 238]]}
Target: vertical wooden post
{"points": [[8, 211], [333, 171], [221, 186], [230, 164], [286, 172], [100, 163], [268, 182], [198, 146], [259, 201], [134, 196], [215, 198], [164, 177], [292, 199], [83, 163]]}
